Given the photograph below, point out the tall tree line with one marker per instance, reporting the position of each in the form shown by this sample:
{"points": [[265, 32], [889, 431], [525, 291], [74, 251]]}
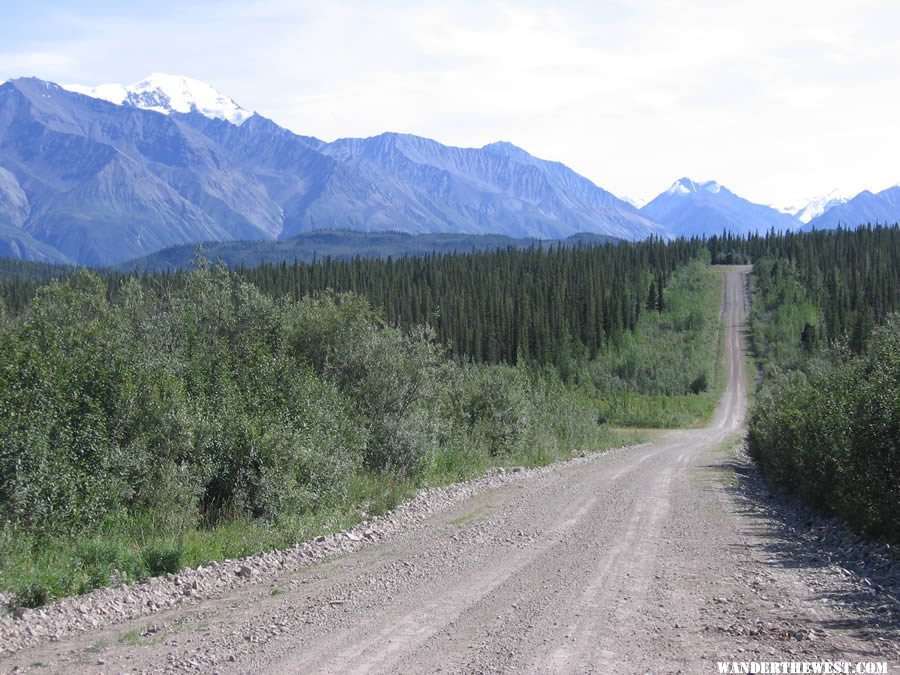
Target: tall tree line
{"points": [[851, 277], [504, 305], [826, 332], [20, 279], [548, 305]]}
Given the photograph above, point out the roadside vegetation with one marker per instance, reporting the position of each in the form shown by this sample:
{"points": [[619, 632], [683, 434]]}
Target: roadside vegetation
{"points": [[151, 422], [667, 372], [156, 430], [825, 424]]}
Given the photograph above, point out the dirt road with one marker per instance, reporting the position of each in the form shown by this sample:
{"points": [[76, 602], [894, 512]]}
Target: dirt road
{"points": [[660, 558]]}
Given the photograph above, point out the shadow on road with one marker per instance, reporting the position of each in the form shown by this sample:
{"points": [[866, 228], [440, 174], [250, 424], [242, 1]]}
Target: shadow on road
{"points": [[860, 577]]}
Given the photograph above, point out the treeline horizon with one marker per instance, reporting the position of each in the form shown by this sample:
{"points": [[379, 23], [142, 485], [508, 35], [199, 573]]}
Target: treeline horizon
{"points": [[550, 306], [850, 277]]}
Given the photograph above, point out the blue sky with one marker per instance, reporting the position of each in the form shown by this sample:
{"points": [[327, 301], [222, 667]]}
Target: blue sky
{"points": [[779, 101]]}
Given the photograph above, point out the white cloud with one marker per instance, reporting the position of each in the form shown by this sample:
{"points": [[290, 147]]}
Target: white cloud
{"points": [[16, 64], [776, 100]]}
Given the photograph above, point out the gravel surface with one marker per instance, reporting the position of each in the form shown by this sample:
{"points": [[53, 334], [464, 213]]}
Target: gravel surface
{"points": [[664, 557], [100, 608]]}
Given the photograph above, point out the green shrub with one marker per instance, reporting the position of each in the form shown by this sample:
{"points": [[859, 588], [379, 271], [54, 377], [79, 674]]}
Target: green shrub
{"points": [[163, 557], [832, 436], [100, 561], [31, 595], [213, 416], [496, 407], [700, 384], [389, 375]]}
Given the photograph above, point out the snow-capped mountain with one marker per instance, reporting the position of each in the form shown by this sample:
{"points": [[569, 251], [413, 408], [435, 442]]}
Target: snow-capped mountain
{"points": [[685, 186], [95, 182], [689, 208], [815, 207], [865, 208], [167, 94]]}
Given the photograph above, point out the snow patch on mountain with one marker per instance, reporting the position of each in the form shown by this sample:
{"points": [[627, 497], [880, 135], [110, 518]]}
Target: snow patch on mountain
{"points": [[815, 207], [685, 186], [636, 202], [167, 94]]}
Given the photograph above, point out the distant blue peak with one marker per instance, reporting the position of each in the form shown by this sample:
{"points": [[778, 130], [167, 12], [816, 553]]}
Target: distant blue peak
{"points": [[393, 135], [506, 148]]}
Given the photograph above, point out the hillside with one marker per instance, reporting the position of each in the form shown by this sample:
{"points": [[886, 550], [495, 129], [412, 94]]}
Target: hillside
{"points": [[340, 244]]}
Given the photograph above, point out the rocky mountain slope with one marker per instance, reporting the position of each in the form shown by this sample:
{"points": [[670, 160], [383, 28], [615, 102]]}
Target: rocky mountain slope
{"points": [[866, 207], [166, 162], [691, 209]]}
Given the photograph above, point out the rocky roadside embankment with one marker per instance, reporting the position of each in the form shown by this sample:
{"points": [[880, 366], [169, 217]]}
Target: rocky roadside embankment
{"points": [[22, 627]]}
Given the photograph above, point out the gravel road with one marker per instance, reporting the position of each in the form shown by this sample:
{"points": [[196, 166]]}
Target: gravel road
{"points": [[666, 557]]}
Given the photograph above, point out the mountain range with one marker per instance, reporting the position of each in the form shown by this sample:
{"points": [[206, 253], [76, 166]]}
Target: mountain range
{"points": [[815, 207], [866, 207], [90, 181], [341, 244], [695, 209], [100, 175]]}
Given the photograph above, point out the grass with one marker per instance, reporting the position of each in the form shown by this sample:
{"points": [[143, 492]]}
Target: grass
{"points": [[140, 638], [729, 449], [154, 634], [661, 411], [729, 477], [44, 569], [97, 647], [132, 549], [132, 637], [660, 337], [632, 436]]}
